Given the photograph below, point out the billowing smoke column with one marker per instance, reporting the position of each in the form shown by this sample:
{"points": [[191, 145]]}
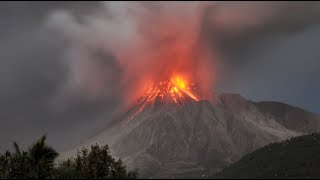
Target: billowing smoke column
{"points": [[150, 42], [145, 43]]}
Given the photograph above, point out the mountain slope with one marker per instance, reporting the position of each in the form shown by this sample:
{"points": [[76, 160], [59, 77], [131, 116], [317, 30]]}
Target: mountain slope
{"points": [[295, 158], [290, 117], [195, 139]]}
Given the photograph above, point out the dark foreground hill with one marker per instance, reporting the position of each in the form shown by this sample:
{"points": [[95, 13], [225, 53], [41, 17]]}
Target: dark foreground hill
{"points": [[295, 158]]}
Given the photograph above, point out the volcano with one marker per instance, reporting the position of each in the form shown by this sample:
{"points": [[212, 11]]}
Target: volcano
{"points": [[197, 138]]}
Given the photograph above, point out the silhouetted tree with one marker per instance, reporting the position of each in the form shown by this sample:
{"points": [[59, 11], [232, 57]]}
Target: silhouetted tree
{"points": [[42, 157], [38, 163], [94, 164]]}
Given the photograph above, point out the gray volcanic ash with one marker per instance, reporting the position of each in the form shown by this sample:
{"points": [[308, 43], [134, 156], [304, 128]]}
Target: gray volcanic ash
{"points": [[197, 138]]}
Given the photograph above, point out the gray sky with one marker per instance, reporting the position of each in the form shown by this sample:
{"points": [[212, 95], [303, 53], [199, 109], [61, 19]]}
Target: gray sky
{"points": [[274, 61]]}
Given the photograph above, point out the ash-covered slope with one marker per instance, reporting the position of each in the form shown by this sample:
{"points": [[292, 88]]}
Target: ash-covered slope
{"points": [[290, 117], [198, 138]]}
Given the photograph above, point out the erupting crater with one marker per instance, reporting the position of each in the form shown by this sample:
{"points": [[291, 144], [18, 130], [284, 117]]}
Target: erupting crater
{"points": [[175, 90]]}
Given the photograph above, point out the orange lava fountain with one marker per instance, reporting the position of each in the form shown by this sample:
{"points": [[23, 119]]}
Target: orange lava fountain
{"points": [[176, 90]]}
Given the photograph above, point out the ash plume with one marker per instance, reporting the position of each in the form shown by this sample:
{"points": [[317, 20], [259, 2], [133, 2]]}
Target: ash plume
{"points": [[113, 51], [147, 41]]}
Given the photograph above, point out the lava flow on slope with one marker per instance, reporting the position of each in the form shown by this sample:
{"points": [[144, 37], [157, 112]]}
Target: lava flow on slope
{"points": [[176, 90]]}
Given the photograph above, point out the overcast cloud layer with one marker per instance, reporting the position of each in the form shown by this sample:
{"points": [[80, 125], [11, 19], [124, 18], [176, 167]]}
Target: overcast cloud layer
{"points": [[269, 51]]}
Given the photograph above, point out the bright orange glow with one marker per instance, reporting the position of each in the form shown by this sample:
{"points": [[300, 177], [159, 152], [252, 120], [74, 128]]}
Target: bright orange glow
{"points": [[177, 90]]}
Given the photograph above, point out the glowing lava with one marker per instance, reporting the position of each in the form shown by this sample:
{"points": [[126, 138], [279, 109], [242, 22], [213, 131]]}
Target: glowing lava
{"points": [[176, 90]]}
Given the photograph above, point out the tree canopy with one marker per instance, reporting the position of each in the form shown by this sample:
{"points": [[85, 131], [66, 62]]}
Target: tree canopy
{"points": [[38, 162]]}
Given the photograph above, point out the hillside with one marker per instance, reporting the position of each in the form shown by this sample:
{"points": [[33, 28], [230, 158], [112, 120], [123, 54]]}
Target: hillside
{"points": [[295, 158], [197, 138]]}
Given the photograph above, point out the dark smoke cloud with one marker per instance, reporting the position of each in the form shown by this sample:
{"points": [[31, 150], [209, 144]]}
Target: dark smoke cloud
{"points": [[31, 75], [60, 73], [270, 50], [238, 23], [266, 17]]}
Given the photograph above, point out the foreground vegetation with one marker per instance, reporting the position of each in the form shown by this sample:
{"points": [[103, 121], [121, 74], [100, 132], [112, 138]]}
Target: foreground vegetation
{"points": [[38, 163], [295, 158]]}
